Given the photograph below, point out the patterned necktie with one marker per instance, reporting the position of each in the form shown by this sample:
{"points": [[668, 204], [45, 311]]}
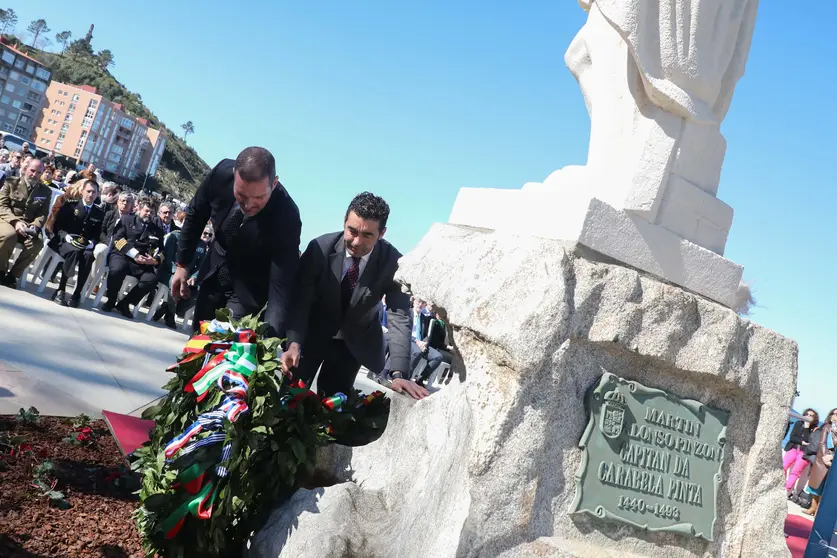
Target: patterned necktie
{"points": [[353, 274], [231, 226], [348, 284], [228, 231]]}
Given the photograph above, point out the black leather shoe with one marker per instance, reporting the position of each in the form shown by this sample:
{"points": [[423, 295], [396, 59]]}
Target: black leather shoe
{"points": [[122, 308], [75, 300], [107, 306], [159, 314], [9, 281], [61, 298]]}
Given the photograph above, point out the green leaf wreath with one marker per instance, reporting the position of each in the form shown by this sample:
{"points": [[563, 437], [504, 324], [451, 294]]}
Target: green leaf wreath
{"points": [[206, 500]]}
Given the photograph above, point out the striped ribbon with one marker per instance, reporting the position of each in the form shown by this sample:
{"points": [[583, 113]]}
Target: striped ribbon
{"points": [[227, 365]]}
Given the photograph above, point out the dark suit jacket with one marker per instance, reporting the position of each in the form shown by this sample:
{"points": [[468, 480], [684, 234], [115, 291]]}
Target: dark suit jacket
{"points": [[108, 226], [163, 227], [264, 259], [73, 219], [318, 313]]}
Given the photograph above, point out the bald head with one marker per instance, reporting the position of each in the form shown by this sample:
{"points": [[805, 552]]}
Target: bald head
{"points": [[33, 169]]}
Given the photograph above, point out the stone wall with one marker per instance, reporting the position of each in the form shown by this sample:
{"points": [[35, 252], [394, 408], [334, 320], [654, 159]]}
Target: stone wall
{"points": [[486, 467]]}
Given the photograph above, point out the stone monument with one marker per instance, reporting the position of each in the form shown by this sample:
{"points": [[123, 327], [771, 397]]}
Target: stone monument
{"points": [[608, 403]]}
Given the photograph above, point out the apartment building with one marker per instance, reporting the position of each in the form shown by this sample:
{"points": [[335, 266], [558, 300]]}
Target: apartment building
{"points": [[23, 83], [78, 122]]}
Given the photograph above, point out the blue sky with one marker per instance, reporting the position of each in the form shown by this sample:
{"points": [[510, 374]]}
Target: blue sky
{"points": [[416, 101]]}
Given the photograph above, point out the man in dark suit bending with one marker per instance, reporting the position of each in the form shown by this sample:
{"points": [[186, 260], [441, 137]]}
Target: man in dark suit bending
{"points": [[254, 258], [334, 325]]}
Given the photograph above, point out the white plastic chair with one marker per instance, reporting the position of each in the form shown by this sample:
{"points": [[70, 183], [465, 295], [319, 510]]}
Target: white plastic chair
{"points": [[48, 261], [95, 279], [438, 373], [187, 320], [159, 299], [128, 284]]}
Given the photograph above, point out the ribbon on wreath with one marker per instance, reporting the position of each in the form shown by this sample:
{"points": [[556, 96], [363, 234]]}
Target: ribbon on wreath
{"points": [[227, 364]]}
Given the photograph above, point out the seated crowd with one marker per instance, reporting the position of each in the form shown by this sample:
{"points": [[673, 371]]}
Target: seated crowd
{"points": [[92, 230], [97, 229]]}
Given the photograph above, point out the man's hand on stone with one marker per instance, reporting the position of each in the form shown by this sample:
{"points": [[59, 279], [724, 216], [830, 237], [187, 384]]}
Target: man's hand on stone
{"points": [[400, 385], [179, 284], [290, 358]]}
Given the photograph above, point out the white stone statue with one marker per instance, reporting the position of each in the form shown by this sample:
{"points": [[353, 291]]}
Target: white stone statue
{"points": [[657, 77]]}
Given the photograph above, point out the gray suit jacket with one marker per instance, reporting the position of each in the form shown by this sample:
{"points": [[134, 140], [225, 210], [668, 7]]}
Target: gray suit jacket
{"points": [[317, 309]]}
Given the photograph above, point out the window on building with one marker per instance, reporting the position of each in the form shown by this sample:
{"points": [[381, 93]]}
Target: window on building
{"points": [[20, 63], [38, 85], [52, 132], [65, 93], [30, 68], [2, 112], [25, 80], [80, 142], [68, 118], [8, 57], [7, 127], [14, 75], [65, 127], [17, 104], [33, 97], [75, 97], [59, 91], [77, 152], [86, 122], [42, 73], [24, 119], [21, 131], [5, 99], [43, 141], [84, 134], [93, 102], [62, 135], [59, 145], [71, 108], [27, 107], [10, 88], [12, 115]]}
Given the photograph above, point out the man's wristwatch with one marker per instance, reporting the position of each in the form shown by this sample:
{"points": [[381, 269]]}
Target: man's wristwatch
{"points": [[396, 375]]}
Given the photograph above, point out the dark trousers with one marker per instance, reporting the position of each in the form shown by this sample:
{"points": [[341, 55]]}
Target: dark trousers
{"points": [[212, 297], [338, 367], [75, 258], [434, 359], [120, 267]]}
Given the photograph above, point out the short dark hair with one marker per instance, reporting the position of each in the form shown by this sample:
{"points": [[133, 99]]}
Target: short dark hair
{"points": [[255, 163], [367, 205]]}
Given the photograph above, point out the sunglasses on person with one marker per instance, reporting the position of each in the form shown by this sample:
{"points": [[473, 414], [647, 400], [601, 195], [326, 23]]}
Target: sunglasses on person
{"points": [[206, 235]]}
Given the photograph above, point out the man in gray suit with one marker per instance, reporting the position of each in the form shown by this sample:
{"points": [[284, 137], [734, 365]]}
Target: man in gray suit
{"points": [[334, 321]]}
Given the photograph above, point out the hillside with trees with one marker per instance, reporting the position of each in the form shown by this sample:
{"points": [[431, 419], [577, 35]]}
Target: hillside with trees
{"points": [[76, 63]]}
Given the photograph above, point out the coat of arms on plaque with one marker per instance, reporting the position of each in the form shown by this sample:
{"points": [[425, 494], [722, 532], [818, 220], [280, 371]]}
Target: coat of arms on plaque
{"points": [[613, 414]]}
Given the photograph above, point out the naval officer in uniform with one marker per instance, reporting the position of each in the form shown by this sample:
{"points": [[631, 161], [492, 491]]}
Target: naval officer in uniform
{"points": [[137, 250]]}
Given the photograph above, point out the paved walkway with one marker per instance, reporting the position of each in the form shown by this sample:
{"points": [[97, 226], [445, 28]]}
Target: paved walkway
{"points": [[67, 361]]}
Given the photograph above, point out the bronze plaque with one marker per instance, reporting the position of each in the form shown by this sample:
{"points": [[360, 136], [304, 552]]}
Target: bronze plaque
{"points": [[651, 459]]}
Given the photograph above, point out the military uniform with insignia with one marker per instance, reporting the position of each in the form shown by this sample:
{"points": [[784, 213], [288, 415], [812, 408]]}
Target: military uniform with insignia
{"points": [[77, 228], [133, 238], [28, 203]]}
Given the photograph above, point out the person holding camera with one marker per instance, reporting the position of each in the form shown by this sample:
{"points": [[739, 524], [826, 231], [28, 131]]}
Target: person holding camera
{"points": [[24, 205]]}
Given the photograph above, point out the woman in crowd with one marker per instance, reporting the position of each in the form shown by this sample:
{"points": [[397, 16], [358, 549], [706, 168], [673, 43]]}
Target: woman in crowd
{"points": [[822, 461], [794, 460]]}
